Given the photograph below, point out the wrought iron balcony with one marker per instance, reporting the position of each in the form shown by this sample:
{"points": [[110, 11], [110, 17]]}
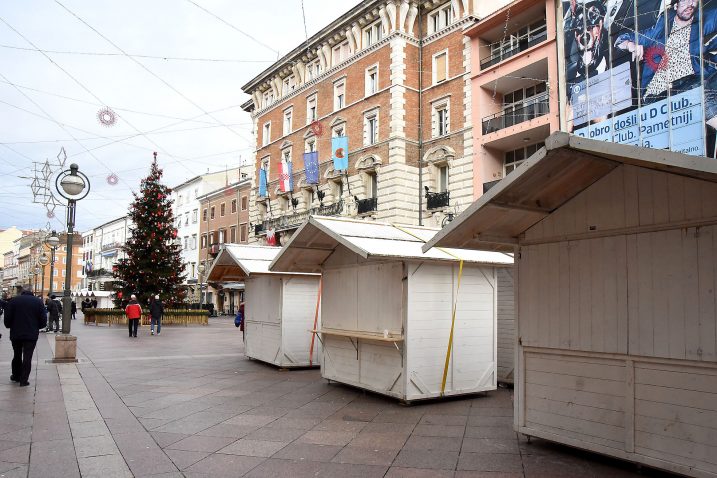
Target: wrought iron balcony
{"points": [[437, 200], [524, 43], [532, 108], [366, 205], [293, 221]]}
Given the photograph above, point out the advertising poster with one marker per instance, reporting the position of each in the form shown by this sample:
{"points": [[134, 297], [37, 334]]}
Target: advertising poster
{"points": [[643, 72]]}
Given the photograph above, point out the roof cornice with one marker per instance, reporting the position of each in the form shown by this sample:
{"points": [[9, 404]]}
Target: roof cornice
{"points": [[334, 27]]}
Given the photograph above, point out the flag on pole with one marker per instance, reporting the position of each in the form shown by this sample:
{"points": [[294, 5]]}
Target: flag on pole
{"points": [[311, 167], [286, 179], [340, 152], [262, 183]]}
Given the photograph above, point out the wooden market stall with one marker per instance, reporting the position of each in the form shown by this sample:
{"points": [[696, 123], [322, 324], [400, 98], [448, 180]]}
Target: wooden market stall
{"points": [[386, 310], [616, 308], [279, 307]]}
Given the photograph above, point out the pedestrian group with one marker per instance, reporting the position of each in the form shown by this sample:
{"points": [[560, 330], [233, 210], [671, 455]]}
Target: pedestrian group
{"points": [[25, 315]]}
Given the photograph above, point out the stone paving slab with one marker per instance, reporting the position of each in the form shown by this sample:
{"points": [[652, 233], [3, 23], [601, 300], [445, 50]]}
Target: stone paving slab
{"points": [[139, 408]]}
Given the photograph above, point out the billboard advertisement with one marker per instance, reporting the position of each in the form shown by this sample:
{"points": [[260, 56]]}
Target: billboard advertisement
{"points": [[642, 72]]}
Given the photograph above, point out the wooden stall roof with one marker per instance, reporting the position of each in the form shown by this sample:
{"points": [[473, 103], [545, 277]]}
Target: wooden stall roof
{"points": [[566, 166], [317, 238], [236, 262]]}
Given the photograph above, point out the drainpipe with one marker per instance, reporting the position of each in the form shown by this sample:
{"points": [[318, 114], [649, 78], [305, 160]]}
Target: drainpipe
{"points": [[420, 116]]}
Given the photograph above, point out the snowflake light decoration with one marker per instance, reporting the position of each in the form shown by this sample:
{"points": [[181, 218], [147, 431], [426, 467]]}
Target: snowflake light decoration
{"points": [[106, 117]]}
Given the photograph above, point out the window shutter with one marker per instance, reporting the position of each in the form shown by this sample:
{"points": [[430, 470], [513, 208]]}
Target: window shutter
{"points": [[441, 68]]}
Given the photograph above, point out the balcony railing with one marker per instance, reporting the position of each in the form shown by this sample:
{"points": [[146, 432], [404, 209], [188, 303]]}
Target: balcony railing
{"points": [[99, 273], [523, 44], [366, 205], [111, 245], [292, 221], [437, 200], [531, 109]]}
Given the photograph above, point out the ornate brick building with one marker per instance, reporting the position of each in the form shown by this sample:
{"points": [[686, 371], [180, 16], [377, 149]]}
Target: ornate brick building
{"points": [[391, 76]]}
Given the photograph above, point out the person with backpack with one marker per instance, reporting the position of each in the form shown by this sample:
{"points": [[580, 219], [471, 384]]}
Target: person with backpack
{"points": [[54, 310], [156, 311]]}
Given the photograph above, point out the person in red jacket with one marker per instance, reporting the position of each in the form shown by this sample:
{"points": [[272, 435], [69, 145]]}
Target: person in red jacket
{"points": [[133, 311]]}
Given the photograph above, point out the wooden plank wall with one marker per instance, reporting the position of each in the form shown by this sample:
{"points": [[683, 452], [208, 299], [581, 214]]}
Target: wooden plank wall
{"points": [[263, 308], [299, 309], [506, 326], [431, 290], [629, 197], [649, 293], [676, 414], [576, 397]]}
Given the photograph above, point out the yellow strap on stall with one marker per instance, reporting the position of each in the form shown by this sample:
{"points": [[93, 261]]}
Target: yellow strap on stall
{"points": [[455, 307], [453, 324]]}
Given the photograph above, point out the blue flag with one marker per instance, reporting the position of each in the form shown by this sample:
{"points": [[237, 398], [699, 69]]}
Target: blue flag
{"points": [[340, 152], [262, 183], [311, 167]]}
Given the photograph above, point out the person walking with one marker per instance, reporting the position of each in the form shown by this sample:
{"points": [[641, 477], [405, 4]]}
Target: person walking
{"points": [[25, 315], [133, 311], [94, 303], [73, 310], [54, 309], [156, 311]]}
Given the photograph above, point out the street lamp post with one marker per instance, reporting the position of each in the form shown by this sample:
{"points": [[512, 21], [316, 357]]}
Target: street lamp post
{"points": [[52, 241], [202, 268], [73, 186], [43, 260], [36, 270]]}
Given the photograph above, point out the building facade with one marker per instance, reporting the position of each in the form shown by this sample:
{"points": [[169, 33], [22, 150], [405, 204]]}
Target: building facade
{"points": [[392, 77], [515, 94], [224, 219], [186, 209], [101, 250]]}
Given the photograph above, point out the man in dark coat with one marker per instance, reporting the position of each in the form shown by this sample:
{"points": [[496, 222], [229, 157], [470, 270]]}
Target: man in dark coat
{"points": [[156, 311], [54, 309], [25, 315]]}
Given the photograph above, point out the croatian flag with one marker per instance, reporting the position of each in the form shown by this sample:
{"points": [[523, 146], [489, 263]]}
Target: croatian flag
{"points": [[311, 167], [340, 152], [262, 183], [286, 180]]}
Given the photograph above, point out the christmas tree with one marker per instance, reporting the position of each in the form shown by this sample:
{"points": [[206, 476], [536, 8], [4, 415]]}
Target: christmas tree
{"points": [[153, 264]]}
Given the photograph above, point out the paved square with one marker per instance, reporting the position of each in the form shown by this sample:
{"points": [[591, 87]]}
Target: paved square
{"points": [[188, 403]]}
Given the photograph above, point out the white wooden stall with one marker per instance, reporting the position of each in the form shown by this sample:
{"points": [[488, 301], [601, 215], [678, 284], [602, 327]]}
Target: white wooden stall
{"points": [[279, 307], [387, 307], [617, 273]]}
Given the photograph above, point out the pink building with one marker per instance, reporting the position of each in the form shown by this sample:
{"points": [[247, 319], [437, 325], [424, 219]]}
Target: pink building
{"points": [[515, 100]]}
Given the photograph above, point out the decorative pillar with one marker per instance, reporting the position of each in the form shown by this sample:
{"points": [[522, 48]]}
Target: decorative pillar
{"points": [[412, 14]]}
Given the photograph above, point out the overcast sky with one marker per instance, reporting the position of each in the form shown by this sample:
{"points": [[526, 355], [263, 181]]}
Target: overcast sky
{"points": [[95, 56]]}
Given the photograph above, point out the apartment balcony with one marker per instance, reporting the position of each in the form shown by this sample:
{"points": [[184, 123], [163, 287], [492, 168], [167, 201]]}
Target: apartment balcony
{"points": [[99, 273], [364, 206], [111, 246], [293, 221], [437, 200], [532, 108], [528, 41]]}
